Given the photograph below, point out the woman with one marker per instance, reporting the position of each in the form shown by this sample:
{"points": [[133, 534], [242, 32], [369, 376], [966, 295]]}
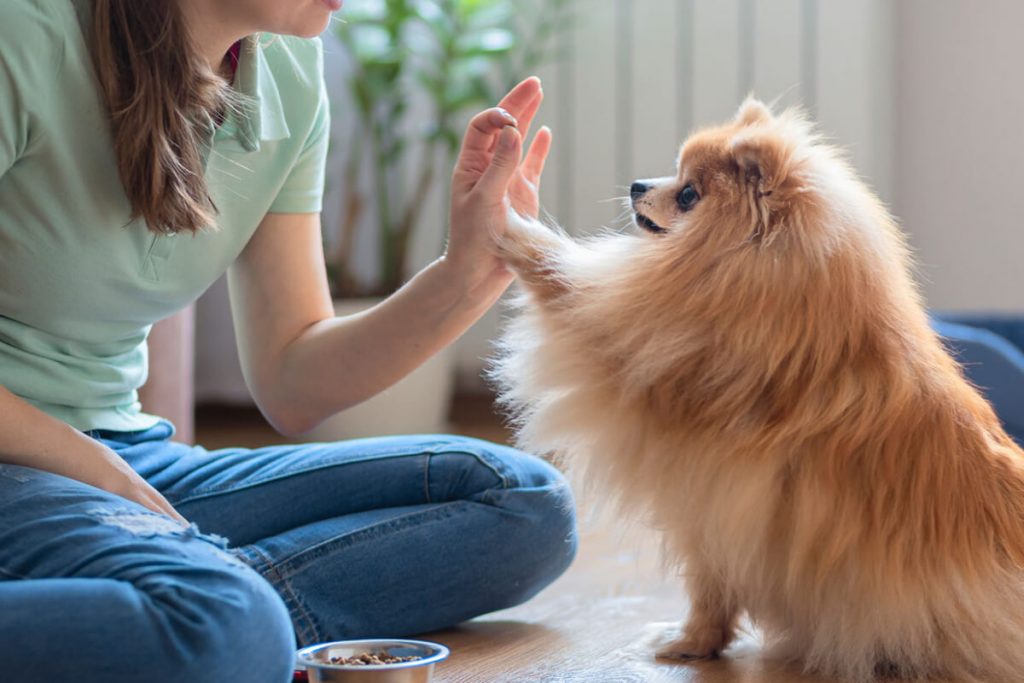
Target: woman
{"points": [[131, 176]]}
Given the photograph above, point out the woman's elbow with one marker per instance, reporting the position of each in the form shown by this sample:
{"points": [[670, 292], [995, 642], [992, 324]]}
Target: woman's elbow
{"points": [[288, 418]]}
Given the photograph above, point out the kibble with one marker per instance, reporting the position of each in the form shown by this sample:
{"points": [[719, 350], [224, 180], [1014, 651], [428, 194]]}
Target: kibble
{"points": [[372, 658]]}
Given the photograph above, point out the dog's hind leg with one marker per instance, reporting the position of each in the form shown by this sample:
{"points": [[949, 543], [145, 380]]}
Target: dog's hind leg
{"points": [[712, 622]]}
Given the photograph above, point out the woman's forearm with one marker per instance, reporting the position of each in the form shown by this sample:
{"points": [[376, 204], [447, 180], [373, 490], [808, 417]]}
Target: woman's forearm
{"points": [[32, 438], [340, 362]]}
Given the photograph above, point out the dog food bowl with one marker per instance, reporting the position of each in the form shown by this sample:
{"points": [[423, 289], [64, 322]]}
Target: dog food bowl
{"points": [[316, 660]]}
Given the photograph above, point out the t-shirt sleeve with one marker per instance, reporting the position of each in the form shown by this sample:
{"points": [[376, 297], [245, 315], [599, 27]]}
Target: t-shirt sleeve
{"points": [[29, 54], [303, 188]]}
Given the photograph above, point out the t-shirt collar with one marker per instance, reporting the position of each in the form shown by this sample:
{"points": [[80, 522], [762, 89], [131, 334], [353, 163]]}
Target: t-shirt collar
{"points": [[260, 117]]}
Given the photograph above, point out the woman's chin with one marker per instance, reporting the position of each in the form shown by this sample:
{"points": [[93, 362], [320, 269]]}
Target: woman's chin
{"points": [[312, 28]]}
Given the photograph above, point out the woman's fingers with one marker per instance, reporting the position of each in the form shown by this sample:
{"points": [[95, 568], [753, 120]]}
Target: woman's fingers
{"points": [[504, 164], [525, 189], [143, 493], [525, 117], [479, 145], [174, 514], [520, 99], [157, 503], [482, 131], [533, 165]]}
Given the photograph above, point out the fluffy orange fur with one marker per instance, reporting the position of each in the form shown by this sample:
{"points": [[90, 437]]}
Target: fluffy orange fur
{"points": [[759, 381]]}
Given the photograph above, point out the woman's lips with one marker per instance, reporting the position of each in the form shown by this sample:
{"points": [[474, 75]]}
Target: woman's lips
{"points": [[333, 5]]}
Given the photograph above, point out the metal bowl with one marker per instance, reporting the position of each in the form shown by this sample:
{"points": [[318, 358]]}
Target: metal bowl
{"points": [[315, 659]]}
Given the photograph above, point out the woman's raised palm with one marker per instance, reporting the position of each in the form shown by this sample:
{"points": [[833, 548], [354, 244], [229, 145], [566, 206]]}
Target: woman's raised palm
{"points": [[489, 181]]}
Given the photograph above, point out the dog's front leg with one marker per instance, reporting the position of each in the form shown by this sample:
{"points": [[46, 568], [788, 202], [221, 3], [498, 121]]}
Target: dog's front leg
{"points": [[535, 253], [712, 622]]}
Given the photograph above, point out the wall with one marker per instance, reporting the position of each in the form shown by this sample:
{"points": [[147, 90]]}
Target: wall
{"points": [[959, 176]]}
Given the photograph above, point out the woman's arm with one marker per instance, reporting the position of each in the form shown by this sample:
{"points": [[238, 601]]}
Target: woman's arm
{"points": [[31, 438], [301, 363]]}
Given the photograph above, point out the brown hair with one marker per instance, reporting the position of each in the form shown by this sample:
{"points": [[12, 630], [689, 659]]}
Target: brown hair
{"points": [[162, 96]]}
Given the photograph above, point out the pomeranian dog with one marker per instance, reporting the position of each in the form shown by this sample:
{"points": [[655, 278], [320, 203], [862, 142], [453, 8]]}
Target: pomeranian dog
{"points": [[752, 372]]}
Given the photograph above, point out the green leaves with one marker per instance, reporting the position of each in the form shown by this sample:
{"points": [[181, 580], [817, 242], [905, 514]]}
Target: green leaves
{"points": [[450, 48], [457, 56], [490, 41], [359, 12]]}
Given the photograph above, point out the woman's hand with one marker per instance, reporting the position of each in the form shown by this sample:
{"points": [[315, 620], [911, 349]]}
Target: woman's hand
{"points": [[488, 182], [31, 438], [105, 469]]}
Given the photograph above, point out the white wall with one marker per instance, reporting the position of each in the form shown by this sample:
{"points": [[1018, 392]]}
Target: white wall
{"points": [[959, 162]]}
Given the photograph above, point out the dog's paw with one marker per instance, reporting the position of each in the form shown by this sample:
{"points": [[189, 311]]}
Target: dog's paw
{"points": [[524, 235], [533, 251], [707, 645]]}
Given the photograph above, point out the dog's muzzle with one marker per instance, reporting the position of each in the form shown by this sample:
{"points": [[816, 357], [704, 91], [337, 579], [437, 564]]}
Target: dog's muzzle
{"points": [[647, 224], [636, 191]]}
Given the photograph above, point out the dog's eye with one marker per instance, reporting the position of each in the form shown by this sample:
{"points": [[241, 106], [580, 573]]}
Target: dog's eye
{"points": [[687, 198]]}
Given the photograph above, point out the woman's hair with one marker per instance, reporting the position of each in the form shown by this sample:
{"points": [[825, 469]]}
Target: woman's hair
{"points": [[162, 97]]}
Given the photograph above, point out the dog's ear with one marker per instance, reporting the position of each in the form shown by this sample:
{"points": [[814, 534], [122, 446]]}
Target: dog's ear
{"points": [[764, 162], [763, 158], [753, 111]]}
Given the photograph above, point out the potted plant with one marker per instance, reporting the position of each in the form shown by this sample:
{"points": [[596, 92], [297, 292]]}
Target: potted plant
{"points": [[416, 70]]}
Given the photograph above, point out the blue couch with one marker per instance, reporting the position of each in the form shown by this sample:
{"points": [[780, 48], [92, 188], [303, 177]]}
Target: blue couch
{"points": [[991, 350]]}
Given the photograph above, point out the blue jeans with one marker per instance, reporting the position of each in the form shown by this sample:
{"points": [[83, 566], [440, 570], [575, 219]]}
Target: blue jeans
{"points": [[370, 537]]}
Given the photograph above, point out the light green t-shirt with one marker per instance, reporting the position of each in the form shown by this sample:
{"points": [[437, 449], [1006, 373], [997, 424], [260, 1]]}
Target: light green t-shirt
{"points": [[81, 284]]}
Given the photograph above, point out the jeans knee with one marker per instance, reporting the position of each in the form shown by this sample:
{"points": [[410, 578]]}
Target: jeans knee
{"points": [[536, 472], [516, 468], [465, 466], [543, 541], [557, 536], [236, 627], [542, 492]]}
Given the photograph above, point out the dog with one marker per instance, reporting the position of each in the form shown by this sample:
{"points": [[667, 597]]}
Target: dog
{"points": [[751, 371]]}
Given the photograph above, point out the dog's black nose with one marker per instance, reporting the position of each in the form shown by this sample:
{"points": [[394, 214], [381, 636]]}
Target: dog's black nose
{"points": [[637, 190]]}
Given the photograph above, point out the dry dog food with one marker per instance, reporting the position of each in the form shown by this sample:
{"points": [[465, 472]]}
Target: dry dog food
{"points": [[372, 658]]}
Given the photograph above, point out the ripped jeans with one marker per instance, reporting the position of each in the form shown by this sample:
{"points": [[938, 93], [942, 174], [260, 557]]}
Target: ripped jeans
{"points": [[374, 537]]}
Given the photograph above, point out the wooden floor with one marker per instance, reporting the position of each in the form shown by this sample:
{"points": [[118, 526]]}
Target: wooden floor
{"points": [[599, 623]]}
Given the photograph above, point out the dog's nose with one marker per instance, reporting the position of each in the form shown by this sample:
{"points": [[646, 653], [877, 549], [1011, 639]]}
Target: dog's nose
{"points": [[637, 190]]}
